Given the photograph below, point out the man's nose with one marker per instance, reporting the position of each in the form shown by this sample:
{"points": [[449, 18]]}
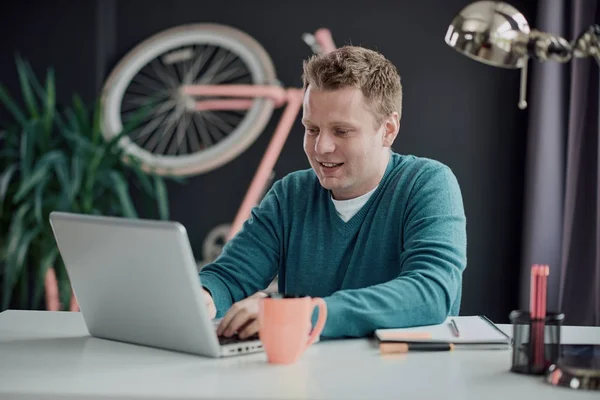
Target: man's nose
{"points": [[324, 144]]}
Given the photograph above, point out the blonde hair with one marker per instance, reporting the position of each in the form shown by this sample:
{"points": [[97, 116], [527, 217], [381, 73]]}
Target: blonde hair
{"points": [[354, 66]]}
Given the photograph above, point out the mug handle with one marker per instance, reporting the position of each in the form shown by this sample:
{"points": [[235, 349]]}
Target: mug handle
{"points": [[318, 302]]}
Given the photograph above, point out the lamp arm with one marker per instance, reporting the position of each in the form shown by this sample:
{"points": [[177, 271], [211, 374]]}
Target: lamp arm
{"points": [[544, 46], [588, 43]]}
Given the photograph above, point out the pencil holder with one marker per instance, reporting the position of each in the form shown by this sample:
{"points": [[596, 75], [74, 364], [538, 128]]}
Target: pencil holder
{"points": [[536, 341]]}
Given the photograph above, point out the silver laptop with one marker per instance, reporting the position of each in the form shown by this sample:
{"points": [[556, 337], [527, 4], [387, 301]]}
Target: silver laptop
{"points": [[136, 281]]}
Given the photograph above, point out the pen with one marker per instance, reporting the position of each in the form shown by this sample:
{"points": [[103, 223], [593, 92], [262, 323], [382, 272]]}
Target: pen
{"points": [[454, 328], [390, 348], [403, 336]]}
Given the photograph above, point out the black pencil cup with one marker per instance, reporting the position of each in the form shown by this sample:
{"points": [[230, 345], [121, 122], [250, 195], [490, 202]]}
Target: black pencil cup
{"points": [[536, 342]]}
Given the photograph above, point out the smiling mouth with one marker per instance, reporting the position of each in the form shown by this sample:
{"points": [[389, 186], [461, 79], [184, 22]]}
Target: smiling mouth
{"points": [[330, 165]]}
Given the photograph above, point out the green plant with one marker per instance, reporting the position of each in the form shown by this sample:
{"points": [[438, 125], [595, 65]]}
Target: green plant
{"points": [[53, 159]]}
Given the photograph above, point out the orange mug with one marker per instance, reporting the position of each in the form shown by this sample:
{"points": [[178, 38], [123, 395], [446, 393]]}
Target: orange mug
{"points": [[285, 326]]}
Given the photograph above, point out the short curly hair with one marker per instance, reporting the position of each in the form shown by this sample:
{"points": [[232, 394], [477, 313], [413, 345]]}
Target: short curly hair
{"points": [[354, 66]]}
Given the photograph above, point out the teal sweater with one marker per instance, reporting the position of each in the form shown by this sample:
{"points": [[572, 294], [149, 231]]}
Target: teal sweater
{"points": [[397, 262]]}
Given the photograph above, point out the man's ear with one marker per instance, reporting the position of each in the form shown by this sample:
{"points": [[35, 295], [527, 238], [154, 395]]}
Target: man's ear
{"points": [[391, 126]]}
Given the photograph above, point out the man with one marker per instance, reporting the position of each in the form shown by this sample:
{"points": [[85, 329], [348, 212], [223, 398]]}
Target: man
{"points": [[380, 236]]}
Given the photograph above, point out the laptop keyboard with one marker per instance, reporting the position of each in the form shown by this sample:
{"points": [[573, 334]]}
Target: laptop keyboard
{"points": [[235, 339]]}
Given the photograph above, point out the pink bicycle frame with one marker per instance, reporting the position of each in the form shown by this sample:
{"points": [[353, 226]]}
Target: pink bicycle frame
{"points": [[241, 95]]}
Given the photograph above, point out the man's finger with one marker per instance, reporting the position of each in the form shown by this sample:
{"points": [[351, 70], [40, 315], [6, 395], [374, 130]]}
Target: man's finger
{"points": [[241, 318], [249, 330], [224, 324]]}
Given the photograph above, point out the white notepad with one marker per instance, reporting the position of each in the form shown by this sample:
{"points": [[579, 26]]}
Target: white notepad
{"points": [[475, 332]]}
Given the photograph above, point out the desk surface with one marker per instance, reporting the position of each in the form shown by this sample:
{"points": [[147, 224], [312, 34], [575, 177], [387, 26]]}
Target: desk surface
{"points": [[50, 355]]}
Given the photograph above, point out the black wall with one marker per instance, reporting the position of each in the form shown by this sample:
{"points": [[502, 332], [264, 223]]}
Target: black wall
{"points": [[455, 110]]}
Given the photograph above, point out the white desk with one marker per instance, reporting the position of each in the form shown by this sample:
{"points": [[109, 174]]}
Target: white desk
{"points": [[50, 355]]}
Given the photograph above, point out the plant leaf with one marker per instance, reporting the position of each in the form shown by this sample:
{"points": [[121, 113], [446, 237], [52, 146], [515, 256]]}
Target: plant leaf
{"points": [[143, 178], [26, 90], [12, 268], [4, 181], [81, 114], [35, 83], [11, 105], [78, 140], [50, 102], [77, 168], [28, 135], [21, 252], [42, 170], [60, 166], [93, 168], [120, 188], [96, 123], [39, 200], [178, 179], [161, 197], [9, 154]]}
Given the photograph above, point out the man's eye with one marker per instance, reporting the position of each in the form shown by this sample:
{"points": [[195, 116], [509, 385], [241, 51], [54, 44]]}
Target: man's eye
{"points": [[312, 131], [342, 131]]}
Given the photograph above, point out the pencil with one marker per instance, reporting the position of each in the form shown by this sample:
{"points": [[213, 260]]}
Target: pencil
{"points": [[455, 330], [390, 348]]}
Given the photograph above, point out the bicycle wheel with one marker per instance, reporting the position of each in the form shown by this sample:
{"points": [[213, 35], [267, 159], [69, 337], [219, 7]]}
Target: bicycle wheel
{"points": [[172, 137]]}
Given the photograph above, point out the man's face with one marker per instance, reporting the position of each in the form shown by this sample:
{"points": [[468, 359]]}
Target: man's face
{"points": [[346, 149]]}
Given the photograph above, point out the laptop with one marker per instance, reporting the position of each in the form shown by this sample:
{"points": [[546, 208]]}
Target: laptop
{"points": [[136, 281]]}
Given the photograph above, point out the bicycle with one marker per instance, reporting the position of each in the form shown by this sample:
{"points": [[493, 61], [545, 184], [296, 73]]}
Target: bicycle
{"points": [[212, 89]]}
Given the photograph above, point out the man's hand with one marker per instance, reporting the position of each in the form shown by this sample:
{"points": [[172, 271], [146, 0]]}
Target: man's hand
{"points": [[242, 318], [210, 304]]}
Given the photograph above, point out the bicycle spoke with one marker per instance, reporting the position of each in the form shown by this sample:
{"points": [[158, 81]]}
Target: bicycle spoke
{"points": [[163, 74], [134, 102], [202, 130], [147, 81], [149, 131], [156, 119], [155, 107], [166, 115], [196, 67], [138, 89], [229, 117], [182, 68], [219, 122], [193, 135], [210, 128], [170, 129], [142, 137], [214, 68], [162, 140], [230, 75], [179, 139], [158, 134]]}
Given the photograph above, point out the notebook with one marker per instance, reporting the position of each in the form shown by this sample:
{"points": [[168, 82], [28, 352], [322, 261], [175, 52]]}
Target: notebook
{"points": [[475, 332]]}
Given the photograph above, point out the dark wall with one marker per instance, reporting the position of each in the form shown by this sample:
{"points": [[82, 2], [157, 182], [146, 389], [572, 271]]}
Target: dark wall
{"points": [[455, 110]]}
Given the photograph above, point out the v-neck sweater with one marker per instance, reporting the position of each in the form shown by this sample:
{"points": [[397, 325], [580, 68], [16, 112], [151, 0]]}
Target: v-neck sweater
{"points": [[397, 262]]}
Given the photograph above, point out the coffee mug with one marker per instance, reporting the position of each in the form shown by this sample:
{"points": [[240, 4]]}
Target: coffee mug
{"points": [[285, 326]]}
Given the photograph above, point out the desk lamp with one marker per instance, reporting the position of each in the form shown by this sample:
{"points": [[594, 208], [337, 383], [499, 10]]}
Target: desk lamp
{"points": [[497, 34]]}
